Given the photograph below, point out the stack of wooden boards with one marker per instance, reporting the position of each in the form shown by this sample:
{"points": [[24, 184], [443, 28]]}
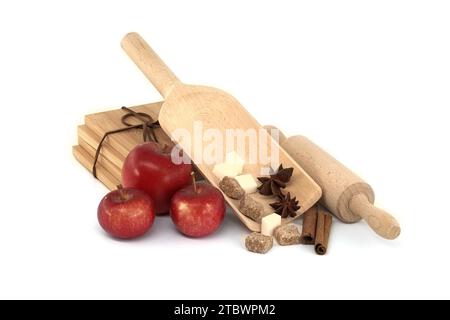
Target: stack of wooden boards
{"points": [[116, 146]]}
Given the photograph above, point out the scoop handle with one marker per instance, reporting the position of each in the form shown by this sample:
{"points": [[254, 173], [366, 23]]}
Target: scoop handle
{"points": [[149, 63]]}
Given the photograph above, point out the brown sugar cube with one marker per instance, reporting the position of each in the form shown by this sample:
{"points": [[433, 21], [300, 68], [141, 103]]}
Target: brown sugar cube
{"points": [[231, 188], [287, 234], [259, 243], [251, 208]]}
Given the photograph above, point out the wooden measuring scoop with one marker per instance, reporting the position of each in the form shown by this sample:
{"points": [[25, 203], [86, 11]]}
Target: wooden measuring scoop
{"points": [[214, 109]]}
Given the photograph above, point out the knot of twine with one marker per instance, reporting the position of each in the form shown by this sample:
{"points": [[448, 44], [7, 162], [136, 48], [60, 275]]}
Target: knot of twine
{"points": [[147, 125]]}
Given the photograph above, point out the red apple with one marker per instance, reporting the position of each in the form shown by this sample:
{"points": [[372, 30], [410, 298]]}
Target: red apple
{"points": [[126, 213], [150, 168], [197, 210]]}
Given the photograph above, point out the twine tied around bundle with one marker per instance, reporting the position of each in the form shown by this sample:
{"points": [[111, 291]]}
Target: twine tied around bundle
{"points": [[147, 125]]}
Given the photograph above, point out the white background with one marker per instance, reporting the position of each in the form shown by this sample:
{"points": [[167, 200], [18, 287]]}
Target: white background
{"points": [[367, 80]]}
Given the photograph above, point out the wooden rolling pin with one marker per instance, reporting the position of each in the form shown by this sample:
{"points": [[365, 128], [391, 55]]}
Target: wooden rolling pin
{"points": [[345, 194]]}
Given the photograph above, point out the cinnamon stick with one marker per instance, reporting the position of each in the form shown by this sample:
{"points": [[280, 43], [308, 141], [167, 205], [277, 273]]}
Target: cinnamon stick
{"points": [[324, 220], [309, 226]]}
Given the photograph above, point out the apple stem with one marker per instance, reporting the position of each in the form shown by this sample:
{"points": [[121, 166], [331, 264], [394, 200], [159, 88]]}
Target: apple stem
{"points": [[121, 192], [194, 182], [166, 148]]}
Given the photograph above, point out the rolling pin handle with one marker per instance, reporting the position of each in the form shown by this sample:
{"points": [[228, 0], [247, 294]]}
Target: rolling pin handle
{"points": [[149, 63], [380, 221]]}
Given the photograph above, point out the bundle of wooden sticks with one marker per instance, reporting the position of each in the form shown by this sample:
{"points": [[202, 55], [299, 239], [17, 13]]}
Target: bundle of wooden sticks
{"points": [[116, 146]]}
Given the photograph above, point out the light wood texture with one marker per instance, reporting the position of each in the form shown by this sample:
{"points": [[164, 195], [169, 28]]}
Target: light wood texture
{"points": [[379, 220], [215, 109], [86, 161], [345, 194], [107, 150], [149, 63], [123, 142], [115, 171]]}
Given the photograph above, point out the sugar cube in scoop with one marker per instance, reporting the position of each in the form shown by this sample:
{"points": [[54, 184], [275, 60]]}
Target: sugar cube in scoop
{"points": [[223, 170], [232, 167], [235, 159], [247, 182]]}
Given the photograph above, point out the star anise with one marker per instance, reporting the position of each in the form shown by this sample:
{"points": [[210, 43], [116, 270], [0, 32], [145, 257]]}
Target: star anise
{"points": [[273, 184], [286, 206]]}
